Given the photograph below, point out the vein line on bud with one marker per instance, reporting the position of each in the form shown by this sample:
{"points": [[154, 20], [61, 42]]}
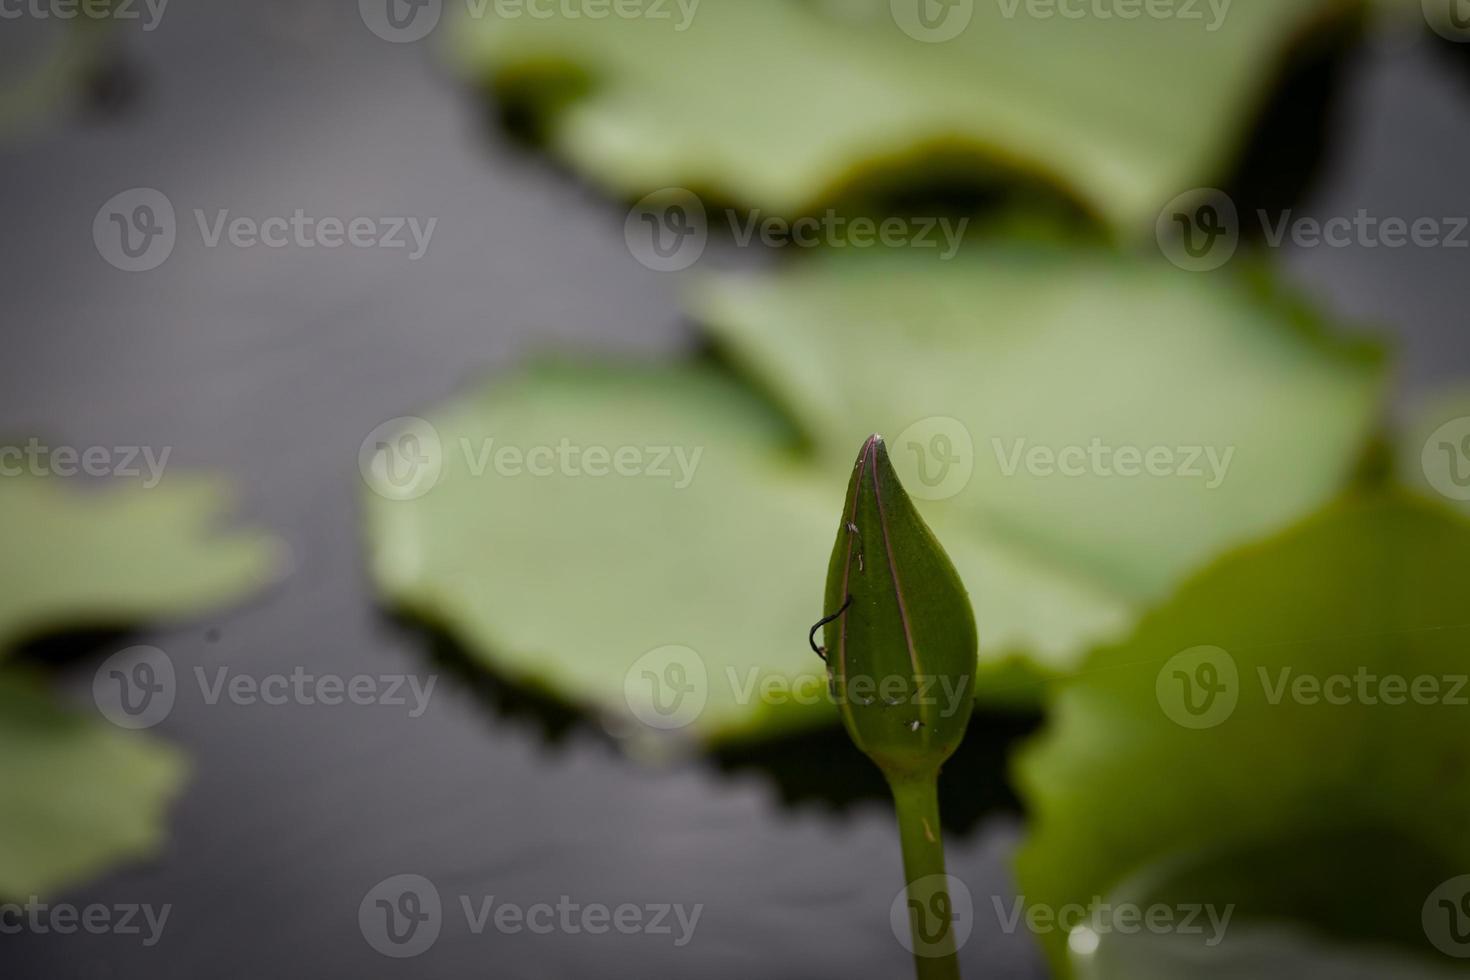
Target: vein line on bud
{"points": [[903, 612]]}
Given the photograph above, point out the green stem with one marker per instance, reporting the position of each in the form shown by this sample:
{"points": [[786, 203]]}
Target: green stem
{"points": [[930, 918]]}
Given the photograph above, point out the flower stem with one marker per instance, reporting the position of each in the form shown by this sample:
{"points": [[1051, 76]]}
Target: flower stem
{"points": [[931, 917]]}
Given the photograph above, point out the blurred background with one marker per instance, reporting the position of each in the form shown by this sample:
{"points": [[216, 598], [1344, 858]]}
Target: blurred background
{"points": [[252, 837]]}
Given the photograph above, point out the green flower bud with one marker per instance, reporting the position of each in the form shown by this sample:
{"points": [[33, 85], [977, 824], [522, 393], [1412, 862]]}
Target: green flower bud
{"points": [[901, 654]]}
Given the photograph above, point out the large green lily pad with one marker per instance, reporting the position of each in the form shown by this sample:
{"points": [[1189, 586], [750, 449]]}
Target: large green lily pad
{"points": [[1218, 414], [781, 105], [565, 582], [1288, 736]]}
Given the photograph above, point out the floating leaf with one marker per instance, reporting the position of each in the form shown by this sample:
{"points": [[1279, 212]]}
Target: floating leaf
{"points": [[79, 793], [1117, 421], [780, 105], [1287, 736], [566, 583], [109, 556]]}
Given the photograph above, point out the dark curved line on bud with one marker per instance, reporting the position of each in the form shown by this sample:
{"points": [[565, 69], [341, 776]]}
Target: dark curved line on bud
{"points": [[812, 636]]}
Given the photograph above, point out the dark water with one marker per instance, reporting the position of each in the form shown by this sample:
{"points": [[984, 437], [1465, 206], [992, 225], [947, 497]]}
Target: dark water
{"points": [[271, 366]]}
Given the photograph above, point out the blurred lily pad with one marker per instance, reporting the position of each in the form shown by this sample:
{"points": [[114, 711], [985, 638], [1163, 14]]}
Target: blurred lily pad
{"points": [[79, 793], [83, 557], [784, 104], [1118, 421], [1286, 738], [669, 595]]}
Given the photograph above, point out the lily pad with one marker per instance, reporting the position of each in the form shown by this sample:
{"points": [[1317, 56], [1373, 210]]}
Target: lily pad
{"points": [[83, 556], [617, 593], [1116, 420], [79, 795], [1287, 736], [781, 105]]}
